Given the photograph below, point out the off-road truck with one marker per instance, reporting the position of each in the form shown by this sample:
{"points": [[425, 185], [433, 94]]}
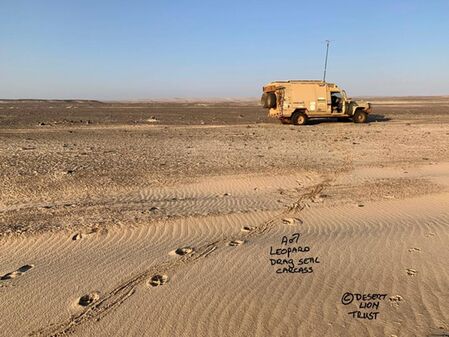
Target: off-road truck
{"points": [[296, 101]]}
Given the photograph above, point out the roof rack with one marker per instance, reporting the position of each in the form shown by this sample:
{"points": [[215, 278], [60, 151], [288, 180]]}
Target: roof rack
{"points": [[304, 81]]}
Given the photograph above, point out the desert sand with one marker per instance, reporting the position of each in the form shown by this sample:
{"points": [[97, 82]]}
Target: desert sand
{"points": [[208, 219]]}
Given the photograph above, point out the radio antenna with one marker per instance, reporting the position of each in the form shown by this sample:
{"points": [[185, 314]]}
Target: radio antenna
{"points": [[325, 62]]}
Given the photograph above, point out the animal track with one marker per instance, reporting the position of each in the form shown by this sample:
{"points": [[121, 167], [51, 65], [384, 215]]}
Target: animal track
{"points": [[235, 243], [158, 280], [17, 272], [411, 250], [77, 236], [182, 251], [440, 332], [95, 230], [92, 231], [88, 299], [411, 272], [394, 300], [292, 221], [319, 198], [153, 275], [247, 229]]}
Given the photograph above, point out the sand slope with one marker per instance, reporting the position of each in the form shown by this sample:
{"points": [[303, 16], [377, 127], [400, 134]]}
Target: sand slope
{"points": [[226, 285]]}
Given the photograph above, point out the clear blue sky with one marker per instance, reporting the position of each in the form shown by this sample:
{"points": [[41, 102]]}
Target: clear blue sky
{"points": [[188, 48]]}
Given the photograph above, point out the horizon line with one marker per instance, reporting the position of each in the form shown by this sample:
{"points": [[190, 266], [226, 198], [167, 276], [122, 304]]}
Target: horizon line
{"points": [[192, 99]]}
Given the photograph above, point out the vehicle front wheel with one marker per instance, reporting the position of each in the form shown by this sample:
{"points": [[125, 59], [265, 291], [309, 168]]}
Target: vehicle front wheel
{"points": [[299, 118], [360, 116]]}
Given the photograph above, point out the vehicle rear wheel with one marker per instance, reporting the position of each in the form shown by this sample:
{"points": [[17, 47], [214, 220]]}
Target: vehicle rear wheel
{"points": [[360, 116], [299, 118]]}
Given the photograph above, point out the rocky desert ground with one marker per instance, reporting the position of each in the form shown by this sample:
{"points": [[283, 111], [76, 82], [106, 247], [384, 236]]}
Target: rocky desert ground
{"points": [[209, 219]]}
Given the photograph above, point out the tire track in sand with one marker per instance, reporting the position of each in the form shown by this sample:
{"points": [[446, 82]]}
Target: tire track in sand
{"points": [[114, 298]]}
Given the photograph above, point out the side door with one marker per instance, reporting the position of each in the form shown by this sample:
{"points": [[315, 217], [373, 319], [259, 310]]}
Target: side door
{"points": [[337, 103], [321, 100]]}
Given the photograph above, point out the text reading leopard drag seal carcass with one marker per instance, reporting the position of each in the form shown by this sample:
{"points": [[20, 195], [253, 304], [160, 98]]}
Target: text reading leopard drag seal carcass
{"points": [[367, 304], [287, 258]]}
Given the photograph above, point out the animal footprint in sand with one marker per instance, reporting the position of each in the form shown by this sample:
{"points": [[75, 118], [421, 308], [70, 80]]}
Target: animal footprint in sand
{"points": [[440, 332], [94, 230], [319, 198], [98, 230], [235, 243], [77, 236], [158, 280], [247, 229], [394, 300], [412, 250], [88, 299], [182, 251], [411, 272], [292, 221], [17, 272]]}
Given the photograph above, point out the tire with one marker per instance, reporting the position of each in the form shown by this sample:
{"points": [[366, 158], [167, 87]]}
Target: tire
{"points": [[270, 101], [299, 118], [263, 100], [360, 116]]}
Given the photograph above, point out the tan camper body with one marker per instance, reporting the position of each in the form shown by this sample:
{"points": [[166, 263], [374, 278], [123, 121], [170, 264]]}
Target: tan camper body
{"points": [[296, 101]]}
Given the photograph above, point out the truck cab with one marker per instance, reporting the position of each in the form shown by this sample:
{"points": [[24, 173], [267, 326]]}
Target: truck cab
{"points": [[296, 101]]}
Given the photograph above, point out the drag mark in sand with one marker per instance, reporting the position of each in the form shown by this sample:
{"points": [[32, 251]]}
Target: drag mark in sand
{"points": [[157, 275]]}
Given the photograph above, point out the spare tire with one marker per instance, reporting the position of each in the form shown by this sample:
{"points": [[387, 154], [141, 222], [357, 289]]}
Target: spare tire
{"points": [[263, 100], [270, 100]]}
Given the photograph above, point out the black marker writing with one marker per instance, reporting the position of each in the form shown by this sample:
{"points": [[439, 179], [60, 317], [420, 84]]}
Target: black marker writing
{"points": [[288, 259], [363, 302]]}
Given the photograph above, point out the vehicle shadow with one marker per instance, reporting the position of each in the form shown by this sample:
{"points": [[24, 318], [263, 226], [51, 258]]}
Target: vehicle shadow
{"points": [[371, 118], [378, 118]]}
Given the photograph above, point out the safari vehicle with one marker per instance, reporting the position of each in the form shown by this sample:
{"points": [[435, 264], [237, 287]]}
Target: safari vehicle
{"points": [[296, 101]]}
